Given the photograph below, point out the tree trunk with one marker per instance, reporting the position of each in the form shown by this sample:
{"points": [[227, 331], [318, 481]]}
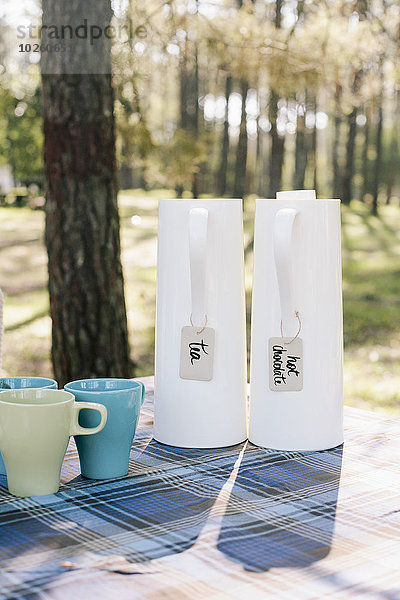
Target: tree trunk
{"points": [[241, 150], [300, 150], [314, 140], [265, 147], [347, 182], [365, 161], [258, 179], [337, 192], [239, 186], [223, 167], [189, 89], [311, 107], [378, 160], [189, 96], [87, 303], [392, 166], [277, 148], [195, 177], [277, 142], [394, 149]]}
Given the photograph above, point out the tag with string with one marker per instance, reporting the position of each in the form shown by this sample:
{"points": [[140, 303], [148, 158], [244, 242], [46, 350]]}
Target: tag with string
{"points": [[285, 356], [198, 340], [197, 352]]}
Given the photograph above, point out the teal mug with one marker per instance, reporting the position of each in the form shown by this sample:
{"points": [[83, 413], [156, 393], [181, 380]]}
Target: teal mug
{"points": [[21, 383], [106, 455]]}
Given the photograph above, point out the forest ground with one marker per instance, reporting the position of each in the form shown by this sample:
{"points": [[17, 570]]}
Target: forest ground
{"points": [[371, 288]]}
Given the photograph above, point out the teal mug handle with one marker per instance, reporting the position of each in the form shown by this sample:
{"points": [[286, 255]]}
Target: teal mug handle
{"points": [[143, 392]]}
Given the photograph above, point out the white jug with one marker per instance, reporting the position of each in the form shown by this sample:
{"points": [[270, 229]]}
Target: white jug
{"points": [[296, 380], [200, 368]]}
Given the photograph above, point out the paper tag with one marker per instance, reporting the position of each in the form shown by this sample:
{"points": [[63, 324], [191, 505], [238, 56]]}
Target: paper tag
{"points": [[285, 364], [197, 353]]}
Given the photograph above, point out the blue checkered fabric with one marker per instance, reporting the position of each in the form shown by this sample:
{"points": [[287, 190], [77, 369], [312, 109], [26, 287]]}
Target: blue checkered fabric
{"points": [[240, 522]]}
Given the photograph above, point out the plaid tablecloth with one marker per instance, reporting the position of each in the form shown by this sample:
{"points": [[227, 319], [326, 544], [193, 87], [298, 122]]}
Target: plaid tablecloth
{"points": [[240, 522]]}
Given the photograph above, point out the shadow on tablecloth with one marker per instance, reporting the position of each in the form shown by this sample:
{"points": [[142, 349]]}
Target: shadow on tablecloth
{"points": [[163, 510], [282, 509], [158, 510]]}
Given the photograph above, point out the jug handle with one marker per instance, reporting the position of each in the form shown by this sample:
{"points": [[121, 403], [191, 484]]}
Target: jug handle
{"points": [[283, 253], [198, 232]]}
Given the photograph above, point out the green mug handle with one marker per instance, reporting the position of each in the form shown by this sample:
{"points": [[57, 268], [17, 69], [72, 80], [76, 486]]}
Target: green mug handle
{"points": [[77, 429]]}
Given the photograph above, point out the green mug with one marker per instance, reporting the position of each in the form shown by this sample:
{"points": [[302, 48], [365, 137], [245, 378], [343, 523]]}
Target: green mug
{"points": [[35, 427]]}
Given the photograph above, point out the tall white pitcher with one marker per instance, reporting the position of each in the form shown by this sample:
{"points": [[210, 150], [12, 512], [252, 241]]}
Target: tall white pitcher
{"points": [[200, 369], [297, 332]]}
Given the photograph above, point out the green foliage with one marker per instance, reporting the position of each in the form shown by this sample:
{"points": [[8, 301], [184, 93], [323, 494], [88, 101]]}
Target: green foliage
{"points": [[371, 274], [180, 159], [21, 138], [318, 49], [134, 141]]}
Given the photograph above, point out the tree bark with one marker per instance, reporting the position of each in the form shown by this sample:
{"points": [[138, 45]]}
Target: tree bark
{"points": [[336, 187], [347, 182], [223, 167], [195, 178], [314, 153], [263, 148], [277, 148], [301, 150], [189, 96], [311, 105], [378, 159], [239, 187], [277, 142], [87, 303], [241, 150], [394, 148], [365, 161]]}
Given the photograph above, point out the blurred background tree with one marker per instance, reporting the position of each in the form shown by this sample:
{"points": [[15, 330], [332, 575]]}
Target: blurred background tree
{"points": [[283, 93], [87, 301], [21, 137]]}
